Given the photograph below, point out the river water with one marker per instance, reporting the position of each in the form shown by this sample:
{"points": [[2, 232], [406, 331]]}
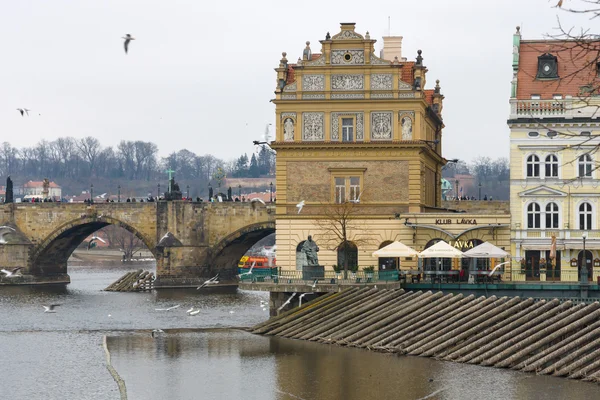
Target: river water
{"points": [[60, 355]]}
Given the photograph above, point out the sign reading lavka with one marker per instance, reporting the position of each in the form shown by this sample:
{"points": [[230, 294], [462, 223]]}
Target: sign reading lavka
{"points": [[463, 221]]}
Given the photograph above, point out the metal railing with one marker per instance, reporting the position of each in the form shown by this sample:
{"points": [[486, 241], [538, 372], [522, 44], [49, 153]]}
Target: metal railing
{"points": [[274, 275]]}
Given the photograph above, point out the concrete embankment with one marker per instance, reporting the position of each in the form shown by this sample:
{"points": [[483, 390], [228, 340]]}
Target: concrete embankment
{"points": [[546, 337]]}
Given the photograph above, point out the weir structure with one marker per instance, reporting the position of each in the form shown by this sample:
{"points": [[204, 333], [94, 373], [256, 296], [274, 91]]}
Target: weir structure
{"points": [[190, 241], [547, 337]]}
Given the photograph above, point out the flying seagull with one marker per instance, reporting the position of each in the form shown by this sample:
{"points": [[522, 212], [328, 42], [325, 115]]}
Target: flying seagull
{"points": [[12, 272], [168, 309], [50, 308], [94, 238], [249, 271], [128, 38], [23, 111], [211, 281], [300, 205], [287, 301]]}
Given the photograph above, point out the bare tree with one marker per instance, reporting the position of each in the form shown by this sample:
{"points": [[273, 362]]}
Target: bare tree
{"points": [[89, 148], [125, 241], [341, 228]]}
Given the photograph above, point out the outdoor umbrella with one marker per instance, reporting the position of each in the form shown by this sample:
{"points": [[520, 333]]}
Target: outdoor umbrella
{"points": [[396, 249], [486, 250], [441, 250]]}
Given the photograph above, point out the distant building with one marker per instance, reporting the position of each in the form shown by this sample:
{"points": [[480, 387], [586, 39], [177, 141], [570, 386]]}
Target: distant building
{"points": [[36, 189], [553, 159]]}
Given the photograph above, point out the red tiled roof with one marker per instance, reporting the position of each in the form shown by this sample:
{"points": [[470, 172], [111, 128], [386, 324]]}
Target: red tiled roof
{"points": [[429, 95], [576, 68], [315, 56], [406, 73], [34, 184]]}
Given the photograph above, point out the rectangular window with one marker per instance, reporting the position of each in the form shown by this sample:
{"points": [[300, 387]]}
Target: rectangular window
{"points": [[354, 188], [557, 96], [340, 190], [535, 97], [347, 129], [347, 189]]}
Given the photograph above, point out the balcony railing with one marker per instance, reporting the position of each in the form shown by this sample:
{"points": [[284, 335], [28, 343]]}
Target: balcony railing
{"points": [[276, 276]]}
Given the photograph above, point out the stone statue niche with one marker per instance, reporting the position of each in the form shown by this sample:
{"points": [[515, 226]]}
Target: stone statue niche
{"points": [[288, 130], [46, 188], [406, 128], [310, 249], [9, 191]]}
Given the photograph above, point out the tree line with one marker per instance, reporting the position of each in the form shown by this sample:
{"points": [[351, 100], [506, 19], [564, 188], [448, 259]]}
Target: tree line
{"points": [[494, 175], [84, 159]]}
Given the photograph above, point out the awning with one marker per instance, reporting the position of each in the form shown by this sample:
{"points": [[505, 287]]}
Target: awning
{"points": [[396, 249], [486, 250], [589, 245], [441, 250]]}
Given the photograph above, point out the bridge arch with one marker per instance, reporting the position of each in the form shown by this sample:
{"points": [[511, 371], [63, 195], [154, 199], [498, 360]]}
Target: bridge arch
{"points": [[226, 254], [50, 255]]}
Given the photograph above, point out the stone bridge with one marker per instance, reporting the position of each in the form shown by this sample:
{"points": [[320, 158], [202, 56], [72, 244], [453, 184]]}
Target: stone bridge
{"points": [[190, 241]]}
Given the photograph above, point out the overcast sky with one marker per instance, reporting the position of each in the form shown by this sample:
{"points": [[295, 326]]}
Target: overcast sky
{"points": [[200, 74]]}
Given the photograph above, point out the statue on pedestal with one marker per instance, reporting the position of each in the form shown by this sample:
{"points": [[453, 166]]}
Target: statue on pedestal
{"points": [[9, 191], [310, 249]]}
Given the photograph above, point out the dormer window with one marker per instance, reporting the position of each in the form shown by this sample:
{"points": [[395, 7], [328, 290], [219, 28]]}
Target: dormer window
{"points": [[547, 67]]}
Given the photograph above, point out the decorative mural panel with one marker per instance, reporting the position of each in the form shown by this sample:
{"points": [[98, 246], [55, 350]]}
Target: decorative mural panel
{"points": [[313, 96], [347, 96], [313, 83], [381, 125], [381, 82], [406, 95], [347, 82], [290, 88], [335, 127], [288, 97], [347, 57], [382, 95], [313, 126], [404, 86]]}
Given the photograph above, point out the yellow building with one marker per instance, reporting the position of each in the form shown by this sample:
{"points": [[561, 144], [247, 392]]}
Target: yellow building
{"points": [[553, 160], [358, 141]]}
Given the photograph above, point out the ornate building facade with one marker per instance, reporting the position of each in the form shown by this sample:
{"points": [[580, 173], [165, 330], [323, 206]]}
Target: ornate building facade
{"points": [[358, 141], [553, 159]]}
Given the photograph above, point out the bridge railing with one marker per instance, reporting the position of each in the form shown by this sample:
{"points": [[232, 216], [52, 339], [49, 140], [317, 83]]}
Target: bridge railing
{"points": [[274, 275]]}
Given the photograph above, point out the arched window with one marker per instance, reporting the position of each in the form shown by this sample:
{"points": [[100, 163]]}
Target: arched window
{"points": [[551, 215], [533, 166], [585, 166], [585, 216], [300, 256], [387, 263], [533, 216], [347, 251], [551, 166]]}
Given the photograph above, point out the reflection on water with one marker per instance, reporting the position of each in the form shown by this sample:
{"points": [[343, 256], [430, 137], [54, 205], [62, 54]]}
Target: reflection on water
{"points": [[60, 356]]}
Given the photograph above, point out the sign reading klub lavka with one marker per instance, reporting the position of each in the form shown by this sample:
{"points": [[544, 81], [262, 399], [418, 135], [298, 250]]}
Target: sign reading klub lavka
{"points": [[458, 221]]}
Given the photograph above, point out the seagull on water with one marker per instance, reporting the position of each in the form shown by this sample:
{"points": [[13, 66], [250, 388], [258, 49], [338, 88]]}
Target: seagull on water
{"points": [[11, 273], [195, 312], [128, 38], [169, 308], [300, 205], [23, 111], [212, 281], [155, 332], [50, 308]]}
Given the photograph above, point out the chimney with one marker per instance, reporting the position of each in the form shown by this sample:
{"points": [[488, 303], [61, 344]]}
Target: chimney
{"points": [[392, 47]]}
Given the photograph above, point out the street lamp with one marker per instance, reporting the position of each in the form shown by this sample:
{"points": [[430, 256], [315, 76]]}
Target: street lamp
{"points": [[119, 194], [91, 193], [158, 191], [240, 192], [479, 190], [584, 271], [456, 194], [271, 184], [188, 191]]}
